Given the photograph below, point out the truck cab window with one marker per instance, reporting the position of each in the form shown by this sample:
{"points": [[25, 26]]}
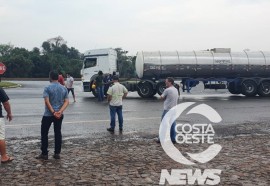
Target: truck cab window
{"points": [[90, 62]]}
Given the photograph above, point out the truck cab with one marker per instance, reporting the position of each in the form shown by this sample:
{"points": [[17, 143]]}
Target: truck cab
{"points": [[94, 61]]}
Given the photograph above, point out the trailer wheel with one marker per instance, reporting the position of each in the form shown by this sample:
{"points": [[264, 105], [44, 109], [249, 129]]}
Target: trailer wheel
{"points": [[249, 87], [233, 89], [161, 87], [264, 89], [145, 90]]}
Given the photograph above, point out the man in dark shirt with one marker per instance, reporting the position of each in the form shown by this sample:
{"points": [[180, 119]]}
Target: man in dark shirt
{"points": [[4, 100], [100, 86]]}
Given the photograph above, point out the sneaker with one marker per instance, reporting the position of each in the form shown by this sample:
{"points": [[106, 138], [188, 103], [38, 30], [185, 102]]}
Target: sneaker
{"points": [[110, 129], [42, 157], [121, 130], [56, 156]]}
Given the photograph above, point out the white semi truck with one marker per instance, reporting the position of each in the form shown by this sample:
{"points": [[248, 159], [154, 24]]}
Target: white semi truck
{"points": [[106, 61], [243, 72]]}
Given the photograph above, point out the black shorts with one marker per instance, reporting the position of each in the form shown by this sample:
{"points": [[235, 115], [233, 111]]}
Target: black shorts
{"points": [[71, 89]]}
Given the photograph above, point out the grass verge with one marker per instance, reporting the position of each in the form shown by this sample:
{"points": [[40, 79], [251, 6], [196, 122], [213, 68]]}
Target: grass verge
{"points": [[5, 84]]}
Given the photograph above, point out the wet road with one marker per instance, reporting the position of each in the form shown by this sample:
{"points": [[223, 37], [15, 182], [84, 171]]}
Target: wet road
{"points": [[89, 117]]}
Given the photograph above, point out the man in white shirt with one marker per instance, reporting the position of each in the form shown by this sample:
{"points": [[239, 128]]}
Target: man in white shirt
{"points": [[116, 93], [170, 97], [69, 85]]}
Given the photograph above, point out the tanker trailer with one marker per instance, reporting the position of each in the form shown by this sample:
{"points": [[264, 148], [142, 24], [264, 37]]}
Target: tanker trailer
{"points": [[244, 72]]}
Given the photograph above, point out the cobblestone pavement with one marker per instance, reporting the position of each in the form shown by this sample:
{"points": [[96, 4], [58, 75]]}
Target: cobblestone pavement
{"points": [[132, 159]]}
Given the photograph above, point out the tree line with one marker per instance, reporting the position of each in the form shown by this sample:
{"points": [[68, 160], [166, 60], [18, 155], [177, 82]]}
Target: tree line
{"points": [[53, 55]]}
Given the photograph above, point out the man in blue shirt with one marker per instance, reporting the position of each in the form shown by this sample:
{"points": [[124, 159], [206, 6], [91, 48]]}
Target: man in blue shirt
{"points": [[56, 101]]}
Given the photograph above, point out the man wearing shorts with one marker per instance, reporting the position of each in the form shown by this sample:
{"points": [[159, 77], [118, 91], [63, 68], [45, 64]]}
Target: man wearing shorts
{"points": [[4, 100], [69, 85]]}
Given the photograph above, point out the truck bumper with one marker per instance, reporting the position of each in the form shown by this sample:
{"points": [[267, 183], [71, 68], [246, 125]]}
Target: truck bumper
{"points": [[86, 86]]}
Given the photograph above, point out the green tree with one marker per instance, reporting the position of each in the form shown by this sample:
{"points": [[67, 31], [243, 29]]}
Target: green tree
{"points": [[5, 49], [41, 67], [54, 55], [18, 63], [125, 64], [60, 57], [46, 47]]}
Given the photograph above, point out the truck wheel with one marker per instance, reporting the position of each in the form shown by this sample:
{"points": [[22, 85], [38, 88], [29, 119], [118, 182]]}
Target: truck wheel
{"points": [[264, 89], [161, 87], [145, 90], [233, 89], [94, 91], [249, 87]]}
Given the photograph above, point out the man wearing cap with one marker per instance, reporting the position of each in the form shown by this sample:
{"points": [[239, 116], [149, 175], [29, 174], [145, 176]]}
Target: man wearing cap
{"points": [[116, 93]]}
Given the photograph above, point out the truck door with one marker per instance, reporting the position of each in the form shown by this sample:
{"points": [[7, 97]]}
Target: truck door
{"points": [[90, 67]]}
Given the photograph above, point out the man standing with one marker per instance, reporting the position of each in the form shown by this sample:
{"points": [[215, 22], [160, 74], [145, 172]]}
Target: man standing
{"points": [[4, 100], [69, 85], [170, 97], [56, 101], [107, 81], [116, 93], [61, 79], [100, 85]]}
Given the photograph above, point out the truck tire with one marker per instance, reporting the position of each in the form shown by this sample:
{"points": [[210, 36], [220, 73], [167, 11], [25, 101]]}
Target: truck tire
{"points": [[249, 87], [94, 91], [233, 89], [145, 90], [264, 89], [161, 87]]}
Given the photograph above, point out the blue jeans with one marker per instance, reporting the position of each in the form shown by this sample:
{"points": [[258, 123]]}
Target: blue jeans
{"points": [[100, 91], [113, 111], [172, 132]]}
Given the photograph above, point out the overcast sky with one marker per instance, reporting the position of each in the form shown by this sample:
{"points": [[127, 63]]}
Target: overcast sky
{"points": [[138, 25]]}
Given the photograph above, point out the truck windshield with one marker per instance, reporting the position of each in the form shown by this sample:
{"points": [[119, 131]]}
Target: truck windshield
{"points": [[90, 62]]}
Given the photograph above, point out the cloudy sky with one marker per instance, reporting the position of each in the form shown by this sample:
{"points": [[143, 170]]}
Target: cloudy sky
{"points": [[138, 25]]}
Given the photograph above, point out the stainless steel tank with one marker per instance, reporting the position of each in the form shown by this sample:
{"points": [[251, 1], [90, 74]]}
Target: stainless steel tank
{"points": [[202, 64]]}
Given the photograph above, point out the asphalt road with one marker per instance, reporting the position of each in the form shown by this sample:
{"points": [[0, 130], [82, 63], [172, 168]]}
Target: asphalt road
{"points": [[89, 117]]}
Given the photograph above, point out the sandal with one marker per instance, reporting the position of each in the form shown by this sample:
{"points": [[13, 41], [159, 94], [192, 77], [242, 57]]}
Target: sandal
{"points": [[7, 161]]}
